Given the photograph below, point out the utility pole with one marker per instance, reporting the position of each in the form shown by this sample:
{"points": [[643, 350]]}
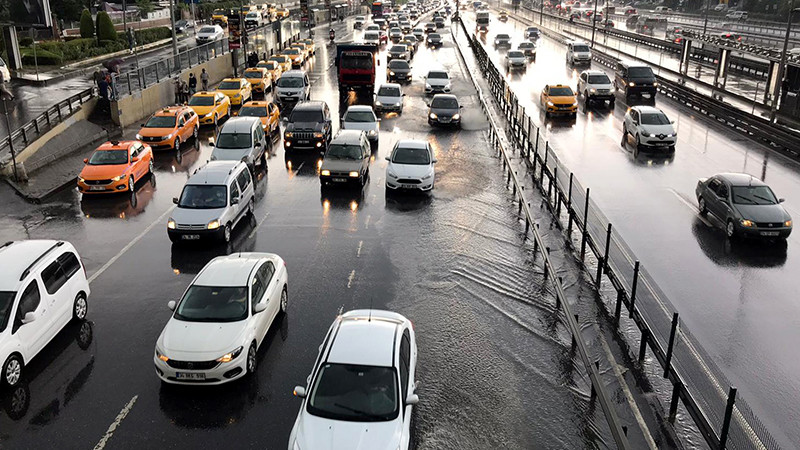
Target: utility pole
{"points": [[124, 19], [705, 22], [782, 67], [594, 20], [10, 140], [172, 22]]}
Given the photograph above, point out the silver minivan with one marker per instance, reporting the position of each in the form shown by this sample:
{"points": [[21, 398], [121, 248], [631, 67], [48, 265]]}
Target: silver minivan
{"points": [[213, 201], [241, 139], [292, 87]]}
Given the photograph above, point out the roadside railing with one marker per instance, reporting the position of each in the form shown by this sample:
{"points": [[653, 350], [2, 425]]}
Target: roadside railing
{"points": [[724, 420], [20, 138]]}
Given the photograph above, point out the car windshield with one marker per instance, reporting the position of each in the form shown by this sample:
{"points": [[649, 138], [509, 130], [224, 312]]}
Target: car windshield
{"points": [[654, 119], [207, 30], [233, 140], [640, 72], [340, 151], [599, 79], [290, 82], [355, 393], [444, 103], [371, 36], [306, 115], [292, 51], [229, 85], [398, 49], [252, 15], [253, 111], [108, 157], [526, 45], [516, 54], [359, 116], [389, 91], [411, 156], [203, 196], [213, 304], [439, 75], [6, 302], [560, 91], [363, 62], [753, 195], [278, 59], [254, 74], [434, 36], [160, 122], [581, 48], [398, 64], [503, 36], [269, 65], [201, 100]]}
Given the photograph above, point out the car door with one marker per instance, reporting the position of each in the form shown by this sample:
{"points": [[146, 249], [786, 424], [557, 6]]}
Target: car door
{"points": [[274, 117], [135, 163], [234, 202], [544, 94], [33, 335], [582, 83], [710, 195], [365, 152], [245, 186], [70, 265], [258, 290], [56, 294], [406, 383], [723, 204]]}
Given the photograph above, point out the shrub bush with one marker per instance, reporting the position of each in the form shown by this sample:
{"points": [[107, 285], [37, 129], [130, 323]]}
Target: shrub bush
{"points": [[87, 25], [43, 57], [150, 35], [105, 28], [26, 41]]}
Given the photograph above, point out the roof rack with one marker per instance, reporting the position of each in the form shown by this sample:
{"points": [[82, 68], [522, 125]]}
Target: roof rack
{"points": [[36, 261]]}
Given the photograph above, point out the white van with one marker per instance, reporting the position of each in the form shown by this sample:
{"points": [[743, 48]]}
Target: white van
{"points": [[42, 287], [242, 139], [292, 87], [578, 52], [212, 203]]}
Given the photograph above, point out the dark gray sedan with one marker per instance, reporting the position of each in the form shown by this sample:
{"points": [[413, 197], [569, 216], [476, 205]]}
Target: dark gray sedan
{"points": [[398, 70], [745, 204], [445, 110], [434, 40]]}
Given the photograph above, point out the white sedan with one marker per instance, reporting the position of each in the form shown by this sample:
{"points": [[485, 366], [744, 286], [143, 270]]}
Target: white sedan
{"points": [[209, 33], [219, 323], [362, 117], [411, 167], [361, 390]]}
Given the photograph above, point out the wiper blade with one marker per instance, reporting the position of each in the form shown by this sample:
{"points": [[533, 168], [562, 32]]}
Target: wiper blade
{"points": [[746, 198], [357, 411]]}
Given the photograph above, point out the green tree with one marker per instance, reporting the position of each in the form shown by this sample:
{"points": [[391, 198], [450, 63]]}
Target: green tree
{"points": [[105, 28], [87, 24], [145, 6], [67, 9]]}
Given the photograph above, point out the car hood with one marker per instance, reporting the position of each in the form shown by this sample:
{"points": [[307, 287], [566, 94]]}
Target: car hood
{"points": [[658, 129], [410, 170], [200, 341], [363, 126], [402, 71], [202, 110], [562, 99], [319, 433], [206, 35], [434, 39], [229, 154], [340, 165], [600, 86], [388, 100], [437, 81], [763, 213], [193, 216], [444, 111], [102, 172], [230, 92], [303, 126], [150, 131], [289, 90]]}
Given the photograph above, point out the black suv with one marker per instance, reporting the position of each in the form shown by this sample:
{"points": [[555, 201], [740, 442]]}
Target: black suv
{"points": [[308, 127], [635, 79]]}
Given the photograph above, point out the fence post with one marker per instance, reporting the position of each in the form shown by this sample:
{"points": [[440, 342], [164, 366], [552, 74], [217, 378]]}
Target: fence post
{"points": [[726, 422], [569, 207], [544, 165], [673, 406], [585, 222], [47, 115], [633, 287], [643, 344], [671, 344], [546, 268], [618, 308], [24, 135]]}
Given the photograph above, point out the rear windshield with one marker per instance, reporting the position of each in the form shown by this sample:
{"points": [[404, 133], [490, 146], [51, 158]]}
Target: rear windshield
{"points": [[203, 196], [654, 119], [640, 72]]}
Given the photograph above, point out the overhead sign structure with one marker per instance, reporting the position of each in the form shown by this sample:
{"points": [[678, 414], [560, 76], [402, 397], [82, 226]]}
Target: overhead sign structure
{"points": [[30, 13]]}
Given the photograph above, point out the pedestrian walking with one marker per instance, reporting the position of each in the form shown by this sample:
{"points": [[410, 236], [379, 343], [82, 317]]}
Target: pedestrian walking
{"points": [[178, 90], [102, 87], [192, 84], [184, 92], [204, 79], [131, 40]]}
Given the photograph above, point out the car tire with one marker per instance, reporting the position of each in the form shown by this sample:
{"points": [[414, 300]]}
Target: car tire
{"points": [[251, 207], [176, 144], [226, 233], [611, 104], [131, 183], [150, 166], [196, 133], [730, 229], [284, 300], [12, 370], [216, 121], [252, 359], [701, 206], [637, 147], [624, 140], [80, 307]]}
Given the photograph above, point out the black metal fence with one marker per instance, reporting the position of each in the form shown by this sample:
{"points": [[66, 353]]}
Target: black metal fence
{"points": [[724, 420]]}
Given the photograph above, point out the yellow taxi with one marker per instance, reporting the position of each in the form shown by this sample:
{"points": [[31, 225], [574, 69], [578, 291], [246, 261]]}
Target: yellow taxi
{"points": [[220, 17], [295, 55], [311, 45], [259, 78], [169, 127], [559, 99], [273, 67], [268, 112], [283, 60], [503, 16], [303, 48], [210, 106], [238, 90], [281, 13]]}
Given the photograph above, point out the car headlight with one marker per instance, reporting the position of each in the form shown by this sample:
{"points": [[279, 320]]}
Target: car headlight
{"points": [[209, 114], [171, 223], [655, 84], [354, 174], [649, 134], [81, 179], [377, 103], [391, 73], [428, 86], [138, 137], [288, 135], [592, 90], [118, 177], [747, 223], [575, 103], [787, 224], [549, 103], [325, 173], [169, 136], [428, 176], [230, 356], [160, 355], [318, 135], [447, 86], [213, 225], [434, 116], [456, 116], [372, 132], [390, 173], [631, 84]]}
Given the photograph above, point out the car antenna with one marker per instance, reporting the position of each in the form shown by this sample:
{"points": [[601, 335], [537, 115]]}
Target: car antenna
{"points": [[370, 310]]}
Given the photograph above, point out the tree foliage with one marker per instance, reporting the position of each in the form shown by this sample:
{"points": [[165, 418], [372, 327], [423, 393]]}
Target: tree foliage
{"points": [[87, 24], [105, 28]]}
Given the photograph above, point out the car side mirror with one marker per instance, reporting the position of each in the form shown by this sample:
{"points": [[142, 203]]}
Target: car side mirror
{"points": [[404, 95], [388, 158], [175, 200], [234, 201], [30, 316], [172, 304], [781, 200], [141, 126], [210, 143], [412, 399], [86, 160], [672, 122], [260, 307], [258, 144], [285, 120], [460, 106], [435, 161], [236, 113], [299, 392]]}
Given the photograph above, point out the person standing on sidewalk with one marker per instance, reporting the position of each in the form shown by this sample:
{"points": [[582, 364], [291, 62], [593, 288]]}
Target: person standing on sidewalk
{"points": [[131, 40], [178, 90], [204, 79], [184, 92], [192, 84]]}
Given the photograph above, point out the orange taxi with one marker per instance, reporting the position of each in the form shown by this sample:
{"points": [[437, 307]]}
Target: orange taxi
{"points": [[237, 89], [210, 107], [259, 78], [272, 67], [310, 44], [295, 55], [558, 99], [283, 60], [169, 127], [115, 166], [281, 13], [268, 112]]}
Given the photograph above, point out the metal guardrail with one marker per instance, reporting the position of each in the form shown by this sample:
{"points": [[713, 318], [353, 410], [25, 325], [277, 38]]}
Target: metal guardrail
{"points": [[30, 131], [550, 273], [724, 420]]}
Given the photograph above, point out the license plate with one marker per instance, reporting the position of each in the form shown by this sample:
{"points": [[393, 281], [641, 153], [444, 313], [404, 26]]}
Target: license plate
{"points": [[770, 233], [340, 180], [190, 237], [662, 144], [302, 142], [408, 186], [97, 188], [444, 120], [190, 376]]}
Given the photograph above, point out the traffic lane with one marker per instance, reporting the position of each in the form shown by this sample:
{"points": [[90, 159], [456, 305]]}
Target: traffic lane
{"points": [[647, 195]]}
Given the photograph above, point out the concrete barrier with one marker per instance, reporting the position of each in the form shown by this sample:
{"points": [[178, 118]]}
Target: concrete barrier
{"points": [[135, 107]]}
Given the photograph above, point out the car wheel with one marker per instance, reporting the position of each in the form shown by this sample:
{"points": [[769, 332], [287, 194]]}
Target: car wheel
{"points": [[226, 233], [701, 205], [730, 229], [150, 166], [131, 183], [12, 370], [611, 105], [177, 143], [80, 307], [196, 133], [251, 209], [263, 161], [251, 359], [284, 300], [216, 120], [636, 147]]}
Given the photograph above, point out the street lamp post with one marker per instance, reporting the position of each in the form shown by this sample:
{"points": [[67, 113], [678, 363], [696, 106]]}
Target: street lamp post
{"points": [[172, 22], [705, 22], [782, 67], [594, 20], [10, 140]]}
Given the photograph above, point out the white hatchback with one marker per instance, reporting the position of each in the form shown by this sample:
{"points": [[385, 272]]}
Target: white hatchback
{"points": [[411, 167], [218, 325], [361, 390]]}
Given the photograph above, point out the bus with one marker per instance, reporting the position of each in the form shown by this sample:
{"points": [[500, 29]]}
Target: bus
{"points": [[377, 9]]}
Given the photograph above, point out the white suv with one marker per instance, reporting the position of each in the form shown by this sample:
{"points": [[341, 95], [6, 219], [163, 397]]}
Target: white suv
{"points": [[42, 287], [578, 52], [650, 129], [212, 202], [595, 86], [361, 389]]}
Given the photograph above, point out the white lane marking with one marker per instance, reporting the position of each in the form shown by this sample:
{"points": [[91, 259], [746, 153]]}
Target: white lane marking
{"points": [[358, 253], [366, 222], [299, 167], [128, 246], [691, 206], [350, 278], [258, 225], [100, 445]]}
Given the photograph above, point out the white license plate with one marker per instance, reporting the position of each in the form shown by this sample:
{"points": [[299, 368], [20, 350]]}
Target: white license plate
{"points": [[444, 120], [97, 188], [190, 237], [302, 142], [190, 376], [340, 180], [408, 186], [662, 144], [770, 233]]}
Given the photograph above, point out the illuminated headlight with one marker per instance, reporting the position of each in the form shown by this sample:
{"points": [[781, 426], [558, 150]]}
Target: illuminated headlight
{"points": [[434, 116], [549, 103], [456, 116], [161, 355], [650, 134], [118, 177], [171, 223], [372, 133], [631, 84], [655, 84], [592, 90], [354, 174], [428, 86], [447, 87], [377, 103], [169, 136], [575, 103], [81, 179], [209, 114], [213, 225], [747, 223], [138, 137], [787, 224], [318, 135], [325, 173], [230, 356], [672, 135], [288, 135], [391, 73]]}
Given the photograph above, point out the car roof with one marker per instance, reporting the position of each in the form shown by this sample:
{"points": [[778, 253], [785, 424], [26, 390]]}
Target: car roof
{"points": [[411, 143], [359, 108], [256, 103], [348, 137], [594, 72], [215, 172], [204, 94], [232, 79], [391, 85], [170, 111], [239, 125], [367, 342], [115, 145], [647, 109], [573, 42], [445, 96], [17, 256], [309, 104], [628, 63], [294, 73], [229, 270], [740, 179], [438, 70]]}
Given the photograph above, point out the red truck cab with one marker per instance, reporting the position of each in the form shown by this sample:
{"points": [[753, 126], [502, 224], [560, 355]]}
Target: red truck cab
{"points": [[356, 66]]}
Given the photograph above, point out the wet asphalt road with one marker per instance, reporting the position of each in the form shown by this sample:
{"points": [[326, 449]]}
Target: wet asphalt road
{"points": [[737, 298], [494, 369]]}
